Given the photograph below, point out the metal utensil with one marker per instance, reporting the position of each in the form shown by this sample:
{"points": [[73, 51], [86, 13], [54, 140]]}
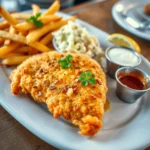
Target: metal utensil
{"points": [[127, 94], [138, 25], [135, 20]]}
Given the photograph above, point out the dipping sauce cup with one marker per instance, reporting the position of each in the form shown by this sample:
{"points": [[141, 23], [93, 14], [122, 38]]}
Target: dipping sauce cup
{"points": [[132, 83], [118, 56]]}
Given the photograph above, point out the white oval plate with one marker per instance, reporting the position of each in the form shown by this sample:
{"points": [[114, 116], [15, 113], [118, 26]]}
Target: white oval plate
{"points": [[145, 34], [126, 126]]}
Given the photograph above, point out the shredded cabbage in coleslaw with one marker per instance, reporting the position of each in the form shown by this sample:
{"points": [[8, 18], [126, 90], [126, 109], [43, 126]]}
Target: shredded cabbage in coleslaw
{"points": [[75, 38]]}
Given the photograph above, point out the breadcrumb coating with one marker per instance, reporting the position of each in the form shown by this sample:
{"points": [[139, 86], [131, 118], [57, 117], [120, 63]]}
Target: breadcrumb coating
{"points": [[42, 77]]}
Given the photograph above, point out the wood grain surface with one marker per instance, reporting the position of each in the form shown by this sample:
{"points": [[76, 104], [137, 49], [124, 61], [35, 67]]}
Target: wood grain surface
{"points": [[13, 136]]}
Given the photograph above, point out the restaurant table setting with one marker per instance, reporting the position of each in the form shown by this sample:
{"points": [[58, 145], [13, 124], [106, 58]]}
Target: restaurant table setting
{"points": [[113, 38]]}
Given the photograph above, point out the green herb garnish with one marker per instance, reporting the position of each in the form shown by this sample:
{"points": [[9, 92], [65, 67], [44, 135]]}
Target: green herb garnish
{"points": [[86, 78], [35, 20], [65, 62]]}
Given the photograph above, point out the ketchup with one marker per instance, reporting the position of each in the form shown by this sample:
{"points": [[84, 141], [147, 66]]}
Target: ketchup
{"points": [[132, 82]]}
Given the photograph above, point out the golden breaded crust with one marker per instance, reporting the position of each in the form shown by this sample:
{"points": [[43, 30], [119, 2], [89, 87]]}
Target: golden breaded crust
{"points": [[47, 82]]}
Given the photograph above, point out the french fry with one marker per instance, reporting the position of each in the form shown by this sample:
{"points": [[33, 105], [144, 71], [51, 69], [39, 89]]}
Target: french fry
{"points": [[1, 41], [21, 16], [13, 37], [46, 39], [11, 30], [32, 51], [4, 25], [35, 9], [26, 49], [50, 18], [53, 8], [11, 20], [11, 55], [8, 48], [26, 26], [15, 60], [6, 42], [7, 29], [38, 33], [22, 39], [23, 49], [40, 47]]}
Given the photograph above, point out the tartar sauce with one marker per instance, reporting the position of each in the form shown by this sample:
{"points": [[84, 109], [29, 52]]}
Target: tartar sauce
{"points": [[123, 57]]}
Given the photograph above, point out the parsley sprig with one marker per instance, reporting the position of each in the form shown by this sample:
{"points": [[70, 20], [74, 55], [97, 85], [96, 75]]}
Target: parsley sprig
{"points": [[86, 78], [65, 62], [35, 20]]}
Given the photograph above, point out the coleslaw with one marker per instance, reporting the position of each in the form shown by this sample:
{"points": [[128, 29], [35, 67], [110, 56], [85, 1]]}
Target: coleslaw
{"points": [[75, 38]]}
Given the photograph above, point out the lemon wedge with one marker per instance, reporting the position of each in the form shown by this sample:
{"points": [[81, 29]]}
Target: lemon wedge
{"points": [[123, 40]]}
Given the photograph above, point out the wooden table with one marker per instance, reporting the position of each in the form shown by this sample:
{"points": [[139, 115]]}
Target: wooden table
{"points": [[14, 136]]}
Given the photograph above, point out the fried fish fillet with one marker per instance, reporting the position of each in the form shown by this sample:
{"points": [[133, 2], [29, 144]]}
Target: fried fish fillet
{"points": [[60, 89]]}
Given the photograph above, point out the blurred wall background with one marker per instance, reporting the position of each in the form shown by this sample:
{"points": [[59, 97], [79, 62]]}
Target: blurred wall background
{"points": [[20, 5]]}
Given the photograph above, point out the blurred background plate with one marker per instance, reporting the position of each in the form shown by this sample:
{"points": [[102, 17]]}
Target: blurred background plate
{"points": [[26, 4], [129, 14], [20, 5]]}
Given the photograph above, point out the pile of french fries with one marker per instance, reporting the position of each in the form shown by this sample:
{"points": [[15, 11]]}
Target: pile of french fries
{"points": [[20, 39]]}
